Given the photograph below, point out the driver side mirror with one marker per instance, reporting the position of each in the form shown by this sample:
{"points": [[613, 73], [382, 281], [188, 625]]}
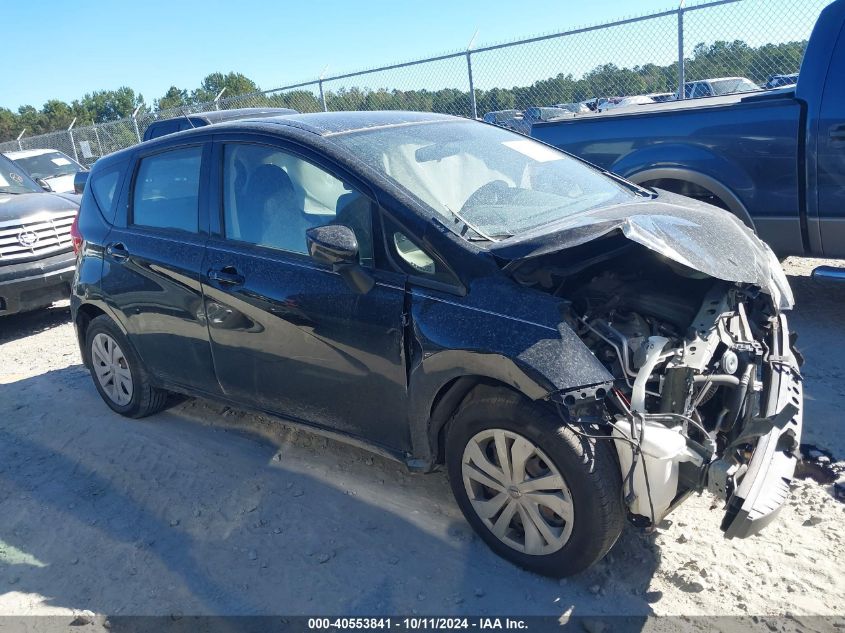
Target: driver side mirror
{"points": [[335, 245], [43, 184]]}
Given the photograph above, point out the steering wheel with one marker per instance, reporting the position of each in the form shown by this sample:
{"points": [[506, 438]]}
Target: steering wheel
{"points": [[493, 192]]}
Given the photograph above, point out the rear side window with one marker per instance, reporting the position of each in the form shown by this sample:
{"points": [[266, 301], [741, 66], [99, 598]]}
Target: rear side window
{"points": [[166, 193]]}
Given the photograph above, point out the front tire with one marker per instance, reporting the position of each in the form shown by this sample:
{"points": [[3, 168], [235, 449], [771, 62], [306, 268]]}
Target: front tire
{"points": [[538, 494], [118, 374]]}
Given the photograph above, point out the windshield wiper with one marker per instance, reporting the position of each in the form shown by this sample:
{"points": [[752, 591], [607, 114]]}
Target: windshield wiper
{"points": [[640, 191], [470, 225]]}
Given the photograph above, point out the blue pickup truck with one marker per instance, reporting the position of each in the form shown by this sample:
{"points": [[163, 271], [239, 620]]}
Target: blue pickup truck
{"points": [[776, 159]]}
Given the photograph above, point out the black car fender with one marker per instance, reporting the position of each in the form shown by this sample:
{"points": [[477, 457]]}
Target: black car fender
{"points": [[452, 347]]}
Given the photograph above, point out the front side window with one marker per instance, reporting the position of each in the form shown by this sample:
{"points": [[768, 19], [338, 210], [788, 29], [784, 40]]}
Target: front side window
{"points": [[166, 194], [271, 198], [484, 181]]}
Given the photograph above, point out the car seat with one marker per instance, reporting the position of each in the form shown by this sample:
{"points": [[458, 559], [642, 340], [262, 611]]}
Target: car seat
{"points": [[272, 217]]}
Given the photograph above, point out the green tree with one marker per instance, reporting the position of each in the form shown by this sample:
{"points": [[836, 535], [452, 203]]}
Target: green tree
{"points": [[173, 98], [234, 83], [716, 59], [108, 105]]}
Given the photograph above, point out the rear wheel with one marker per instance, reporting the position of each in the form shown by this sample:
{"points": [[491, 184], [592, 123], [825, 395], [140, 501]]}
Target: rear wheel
{"points": [[537, 493], [118, 374]]}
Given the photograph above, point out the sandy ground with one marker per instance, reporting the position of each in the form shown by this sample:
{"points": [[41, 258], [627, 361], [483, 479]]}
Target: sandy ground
{"points": [[206, 510]]}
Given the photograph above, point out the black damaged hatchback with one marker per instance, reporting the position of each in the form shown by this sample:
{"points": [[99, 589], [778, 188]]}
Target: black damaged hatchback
{"points": [[574, 350]]}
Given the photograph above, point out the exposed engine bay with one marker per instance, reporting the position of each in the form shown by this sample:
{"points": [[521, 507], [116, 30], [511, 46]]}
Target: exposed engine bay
{"points": [[706, 392]]}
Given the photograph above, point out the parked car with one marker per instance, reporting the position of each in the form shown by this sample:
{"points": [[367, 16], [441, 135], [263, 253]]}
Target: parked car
{"points": [[718, 87], [661, 97], [781, 81], [574, 108], [597, 104], [538, 113], [199, 119], [511, 119], [624, 102], [774, 159], [502, 117], [50, 168], [446, 291], [36, 256]]}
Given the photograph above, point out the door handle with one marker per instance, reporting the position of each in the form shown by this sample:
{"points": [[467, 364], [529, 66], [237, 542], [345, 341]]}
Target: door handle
{"points": [[837, 133], [227, 276], [117, 250]]}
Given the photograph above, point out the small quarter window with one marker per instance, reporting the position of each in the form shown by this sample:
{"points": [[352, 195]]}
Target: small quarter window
{"points": [[103, 189], [412, 255]]}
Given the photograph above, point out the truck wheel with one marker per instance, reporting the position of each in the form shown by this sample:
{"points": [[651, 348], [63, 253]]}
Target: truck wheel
{"points": [[118, 374], [538, 494]]}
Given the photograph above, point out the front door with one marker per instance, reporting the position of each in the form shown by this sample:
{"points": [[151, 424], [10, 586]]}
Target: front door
{"points": [[287, 334]]}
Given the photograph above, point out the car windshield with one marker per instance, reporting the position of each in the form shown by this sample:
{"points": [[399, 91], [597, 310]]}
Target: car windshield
{"points": [[49, 165], [14, 180], [484, 181]]}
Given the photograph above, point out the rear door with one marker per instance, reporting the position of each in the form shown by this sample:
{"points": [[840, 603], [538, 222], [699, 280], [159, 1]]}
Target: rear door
{"points": [[153, 255], [289, 335], [831, 156]]}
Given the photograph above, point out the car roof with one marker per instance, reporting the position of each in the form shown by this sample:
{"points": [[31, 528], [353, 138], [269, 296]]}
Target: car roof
{"points": [[217, 116], [321, 124], [331, 123], [29, 153]]}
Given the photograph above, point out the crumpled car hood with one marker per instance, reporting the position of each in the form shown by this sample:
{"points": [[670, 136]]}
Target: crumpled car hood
{"points": [[698, 235]]}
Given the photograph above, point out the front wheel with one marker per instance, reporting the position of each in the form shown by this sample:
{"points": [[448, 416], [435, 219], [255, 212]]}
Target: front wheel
{"points": [[538, 494]]}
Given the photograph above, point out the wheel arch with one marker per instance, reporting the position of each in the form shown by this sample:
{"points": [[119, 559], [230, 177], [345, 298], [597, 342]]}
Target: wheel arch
{"points": [[718, 189], [86, 312], [446, 403]]}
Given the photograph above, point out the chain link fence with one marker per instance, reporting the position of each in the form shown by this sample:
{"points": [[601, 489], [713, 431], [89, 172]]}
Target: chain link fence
{"points": [[653, 55]]}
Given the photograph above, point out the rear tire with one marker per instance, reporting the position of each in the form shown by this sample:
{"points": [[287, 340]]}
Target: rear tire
{"points": [[554, 527], [118, 374]]}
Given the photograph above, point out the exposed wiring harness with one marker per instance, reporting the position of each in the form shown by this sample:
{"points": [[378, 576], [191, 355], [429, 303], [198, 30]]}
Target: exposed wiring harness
{"points": [[634, 441]]}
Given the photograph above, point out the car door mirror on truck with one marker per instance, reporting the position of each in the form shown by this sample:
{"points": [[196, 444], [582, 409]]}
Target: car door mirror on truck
{"points": [[335, 245]]}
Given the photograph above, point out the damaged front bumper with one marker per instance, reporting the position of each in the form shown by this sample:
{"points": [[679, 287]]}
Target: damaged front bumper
{"points": [[718, 409], [764, 487]]}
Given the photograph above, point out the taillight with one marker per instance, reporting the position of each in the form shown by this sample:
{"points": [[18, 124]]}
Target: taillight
{"points": [[75, 235]]}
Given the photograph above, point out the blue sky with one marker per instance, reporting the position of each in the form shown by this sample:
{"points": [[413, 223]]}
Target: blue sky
{"points": [[65, 49]]}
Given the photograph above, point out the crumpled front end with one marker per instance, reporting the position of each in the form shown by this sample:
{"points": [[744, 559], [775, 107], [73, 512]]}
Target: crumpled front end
{"points": [[706, 391], [717, 407]]}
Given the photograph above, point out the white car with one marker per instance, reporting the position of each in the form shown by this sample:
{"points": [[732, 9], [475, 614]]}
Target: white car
{"points": [[48, 167], [718, 87], [626, 101]]}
